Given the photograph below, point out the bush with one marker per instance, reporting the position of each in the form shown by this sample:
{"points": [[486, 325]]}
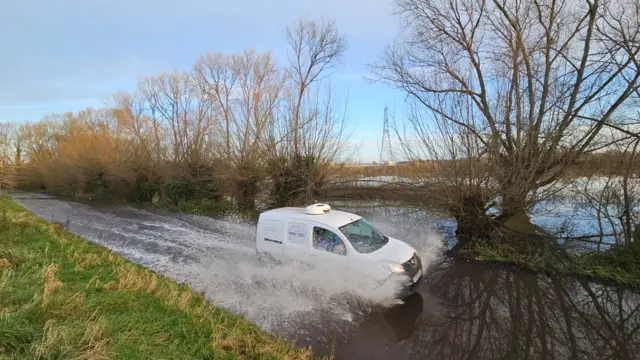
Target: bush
{"points": [[623, 257], [177, 191], [142, 192], [206, 207], [204, 180], [295, 180], [246, 182]]}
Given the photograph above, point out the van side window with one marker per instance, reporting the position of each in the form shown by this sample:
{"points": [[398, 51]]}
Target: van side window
{"points": [[327, 240]]}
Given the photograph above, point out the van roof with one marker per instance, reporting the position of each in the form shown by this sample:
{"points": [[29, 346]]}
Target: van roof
{"points": [[335, 218]]}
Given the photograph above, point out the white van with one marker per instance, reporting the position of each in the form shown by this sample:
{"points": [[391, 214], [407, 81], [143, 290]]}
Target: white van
{"points": [[319, 234]]}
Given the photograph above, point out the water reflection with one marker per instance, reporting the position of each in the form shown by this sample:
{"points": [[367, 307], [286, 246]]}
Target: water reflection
{"points": [[493, 313], [471, 311]]}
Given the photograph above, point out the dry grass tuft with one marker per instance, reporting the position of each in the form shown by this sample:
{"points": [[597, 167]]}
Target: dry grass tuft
{"points": [[153, 285], [111, 285], [94, 342], [133, 279], [185, 299], [4, 264], [4, 278], [169, 294], [86, 261], [56, 228], [75, 301], [53, 338], [114, 259], [227, 340], [10, 258], [163, 338], [172, 296], [50, 279], [248, 342], [23, 219]]}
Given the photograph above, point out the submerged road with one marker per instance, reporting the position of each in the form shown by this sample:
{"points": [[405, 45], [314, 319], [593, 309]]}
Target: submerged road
{"points": [[461, 311]]}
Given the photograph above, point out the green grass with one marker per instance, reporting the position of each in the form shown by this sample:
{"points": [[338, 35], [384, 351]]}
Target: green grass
{"points": [[62, 297], [619, 265]]}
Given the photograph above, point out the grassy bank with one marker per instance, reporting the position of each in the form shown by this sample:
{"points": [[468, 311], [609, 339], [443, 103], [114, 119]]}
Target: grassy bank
{"points": [[617, 266], [63, 297]]}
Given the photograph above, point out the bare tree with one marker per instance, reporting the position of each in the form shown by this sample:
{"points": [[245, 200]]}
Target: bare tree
{"points": [[259, 94], [131, 114], [543, 78], [316, 48], [174, 100], [314, 133], [217, 78], [246, 90], [258, 97]]}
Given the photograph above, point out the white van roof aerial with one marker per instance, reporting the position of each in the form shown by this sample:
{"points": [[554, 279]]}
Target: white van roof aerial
{"points": [[317, 209]]}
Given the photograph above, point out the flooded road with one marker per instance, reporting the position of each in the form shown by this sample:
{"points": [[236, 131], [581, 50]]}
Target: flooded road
{"points": [[471, 311], [461, 310]]}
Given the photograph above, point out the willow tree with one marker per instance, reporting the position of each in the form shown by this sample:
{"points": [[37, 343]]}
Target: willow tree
{"points": [[542, 78], [312, 132]]}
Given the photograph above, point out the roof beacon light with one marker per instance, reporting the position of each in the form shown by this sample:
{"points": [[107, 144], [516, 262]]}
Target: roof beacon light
{"points": [[317, 209]]}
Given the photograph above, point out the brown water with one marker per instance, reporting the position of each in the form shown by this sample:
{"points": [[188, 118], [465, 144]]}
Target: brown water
{"points": [[460, 311]]}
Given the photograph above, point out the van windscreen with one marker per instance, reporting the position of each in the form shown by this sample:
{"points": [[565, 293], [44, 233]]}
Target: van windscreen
{"points": [[363, 236]]}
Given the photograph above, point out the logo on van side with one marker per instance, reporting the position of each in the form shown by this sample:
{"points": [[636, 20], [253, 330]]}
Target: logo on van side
{"points": [[297, 233]]}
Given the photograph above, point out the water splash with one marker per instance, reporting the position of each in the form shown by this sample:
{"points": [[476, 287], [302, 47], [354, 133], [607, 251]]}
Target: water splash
{"points": [[218, 257]]}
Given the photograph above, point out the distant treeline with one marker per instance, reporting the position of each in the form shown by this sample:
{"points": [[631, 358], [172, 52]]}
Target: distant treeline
{"points": [[611, 162]]}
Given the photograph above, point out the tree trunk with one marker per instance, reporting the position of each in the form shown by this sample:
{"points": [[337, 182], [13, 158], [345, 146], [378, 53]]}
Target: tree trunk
{"points": [[473, 224], [514, 201]]}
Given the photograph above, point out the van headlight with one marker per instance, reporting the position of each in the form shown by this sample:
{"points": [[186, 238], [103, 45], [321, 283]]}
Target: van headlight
{"points": [[393, 267]]}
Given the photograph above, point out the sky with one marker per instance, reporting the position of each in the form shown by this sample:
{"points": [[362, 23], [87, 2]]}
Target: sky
{"points": [[67, 55]]}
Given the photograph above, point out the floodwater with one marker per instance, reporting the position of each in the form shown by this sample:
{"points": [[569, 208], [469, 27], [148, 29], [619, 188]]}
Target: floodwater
{"points": [[460, 311]]}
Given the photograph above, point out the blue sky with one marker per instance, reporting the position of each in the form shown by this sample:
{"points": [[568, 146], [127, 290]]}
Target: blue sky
{"points": [[67, 55]]}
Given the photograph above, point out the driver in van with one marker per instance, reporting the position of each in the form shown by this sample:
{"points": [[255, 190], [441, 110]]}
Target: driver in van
{"points": [[330, 241]]}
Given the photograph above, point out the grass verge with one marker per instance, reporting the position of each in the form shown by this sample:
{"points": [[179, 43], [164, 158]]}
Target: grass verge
{"points": [[616, 266], [62, 297]]}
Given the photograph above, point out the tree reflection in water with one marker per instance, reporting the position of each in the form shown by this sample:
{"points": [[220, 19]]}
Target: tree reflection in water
{"points": [[488, 312], [479, 311]]}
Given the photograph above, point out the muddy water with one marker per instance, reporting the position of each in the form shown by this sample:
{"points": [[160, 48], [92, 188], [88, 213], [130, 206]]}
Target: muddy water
{"points": [[461, 310]]}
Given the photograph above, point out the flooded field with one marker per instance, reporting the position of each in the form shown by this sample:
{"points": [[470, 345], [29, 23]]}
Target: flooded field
{"points": [[460, 311]]}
